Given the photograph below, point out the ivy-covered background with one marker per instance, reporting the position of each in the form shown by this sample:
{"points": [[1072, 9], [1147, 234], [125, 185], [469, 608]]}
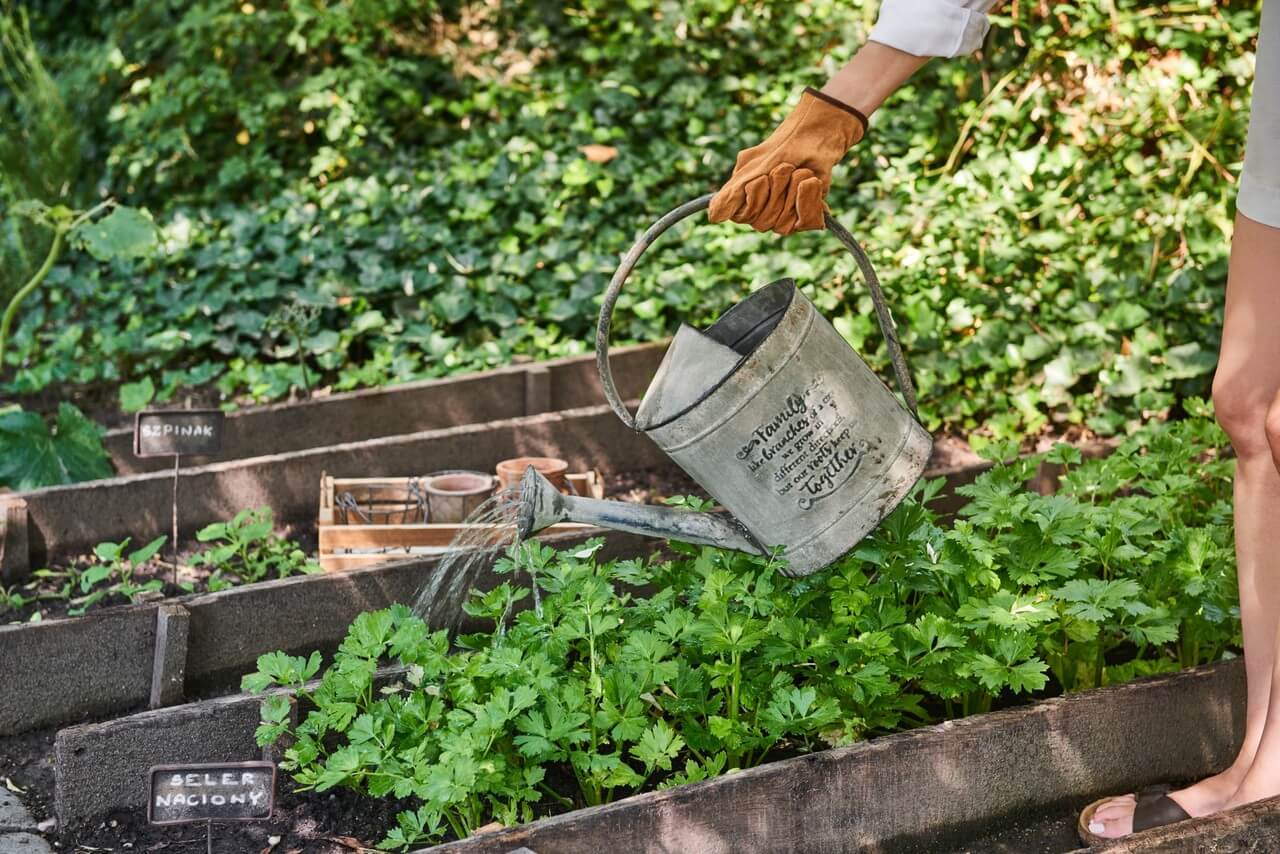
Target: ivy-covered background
{"points": [[432, 187]]}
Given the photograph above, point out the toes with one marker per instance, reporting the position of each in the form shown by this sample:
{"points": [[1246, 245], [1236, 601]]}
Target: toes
{"points": [[1114, 817]]}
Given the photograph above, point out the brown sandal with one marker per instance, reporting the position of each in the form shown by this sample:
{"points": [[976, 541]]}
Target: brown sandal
{"points": [[1154, 809]]}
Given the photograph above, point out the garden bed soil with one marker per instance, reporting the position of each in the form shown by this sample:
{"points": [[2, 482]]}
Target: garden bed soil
{"points": [[26, 762], [324, 823]]}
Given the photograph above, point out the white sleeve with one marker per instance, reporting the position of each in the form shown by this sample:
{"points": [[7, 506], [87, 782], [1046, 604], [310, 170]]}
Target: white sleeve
{"points": [[933, 27]]}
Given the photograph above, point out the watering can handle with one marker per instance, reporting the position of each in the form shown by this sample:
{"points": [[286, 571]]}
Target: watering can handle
{"points": [[700, 204]]}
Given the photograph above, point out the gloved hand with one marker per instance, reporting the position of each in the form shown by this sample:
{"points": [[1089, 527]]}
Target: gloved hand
{"points": [[781, 184]]}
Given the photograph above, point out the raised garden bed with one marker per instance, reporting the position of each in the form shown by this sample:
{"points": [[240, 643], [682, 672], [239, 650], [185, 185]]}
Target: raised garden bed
{"points": [[929, 789], [511, 392], [125, 658], [274, 456], [108, 660], [1064, 740], [73, 519], [937, 789]]}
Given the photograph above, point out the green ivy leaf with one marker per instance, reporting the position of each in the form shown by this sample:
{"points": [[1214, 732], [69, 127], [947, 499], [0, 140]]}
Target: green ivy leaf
{"points": [[123, 233], [33, 454], [136, 396]]}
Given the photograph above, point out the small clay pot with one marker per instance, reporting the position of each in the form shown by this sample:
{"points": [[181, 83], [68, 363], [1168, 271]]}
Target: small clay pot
{"points": [[452, 496], [510, 471]]}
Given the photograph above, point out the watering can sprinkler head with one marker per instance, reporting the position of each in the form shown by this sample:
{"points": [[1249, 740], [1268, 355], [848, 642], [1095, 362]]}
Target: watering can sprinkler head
{"points": [[541, 504]]}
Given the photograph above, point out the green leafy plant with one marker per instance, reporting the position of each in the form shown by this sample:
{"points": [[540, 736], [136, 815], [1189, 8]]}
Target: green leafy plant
{"points": [[36, 453], [134, 397], [246, 549], [297, 319], [242, 550], [115, 564], [636, 674], [12, 599], [110, 573]]}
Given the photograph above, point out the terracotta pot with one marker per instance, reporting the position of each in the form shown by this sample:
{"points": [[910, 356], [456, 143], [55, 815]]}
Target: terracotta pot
{"points": [[452, 496], [510, 471]]}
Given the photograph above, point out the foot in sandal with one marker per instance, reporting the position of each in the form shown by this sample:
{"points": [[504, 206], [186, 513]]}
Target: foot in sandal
{"points": [[1111, 818]]}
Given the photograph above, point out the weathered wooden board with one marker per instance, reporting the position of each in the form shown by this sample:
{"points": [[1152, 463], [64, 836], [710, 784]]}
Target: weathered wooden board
{"points": [[920, 789], [509, 392]]}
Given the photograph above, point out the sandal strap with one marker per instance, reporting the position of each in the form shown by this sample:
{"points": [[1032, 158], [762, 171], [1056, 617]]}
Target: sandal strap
{"points": [[1157, 810], [1153, 792]]}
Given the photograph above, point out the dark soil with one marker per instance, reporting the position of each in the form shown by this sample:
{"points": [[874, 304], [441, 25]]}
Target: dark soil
{"points": [[650, 486], [26, 762], [304, 822], [1041, 832], [325, 823]]}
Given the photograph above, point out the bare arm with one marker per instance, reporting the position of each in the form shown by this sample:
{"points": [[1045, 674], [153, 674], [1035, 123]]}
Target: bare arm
{"points": [[875, 72]]}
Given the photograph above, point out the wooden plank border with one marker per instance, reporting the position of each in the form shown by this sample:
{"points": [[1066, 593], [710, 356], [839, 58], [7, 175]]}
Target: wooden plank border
{"points": [[514, 391], [886, 795], [927, 787]]}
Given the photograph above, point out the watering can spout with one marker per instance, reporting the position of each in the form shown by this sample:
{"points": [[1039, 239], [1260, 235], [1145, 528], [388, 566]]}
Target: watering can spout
{"points": [[542, 505]]}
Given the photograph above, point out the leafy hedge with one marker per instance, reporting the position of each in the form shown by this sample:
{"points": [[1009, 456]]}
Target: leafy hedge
{"points": [[1051, 219], [633, 674]]}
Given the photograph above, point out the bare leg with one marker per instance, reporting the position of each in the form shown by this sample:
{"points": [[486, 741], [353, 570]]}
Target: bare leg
{"points": [[1245, 388], [1263, 777]]}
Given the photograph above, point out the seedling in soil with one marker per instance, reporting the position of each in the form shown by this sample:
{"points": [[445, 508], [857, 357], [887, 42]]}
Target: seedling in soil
{"points": [[112, 573], [247, 549]]}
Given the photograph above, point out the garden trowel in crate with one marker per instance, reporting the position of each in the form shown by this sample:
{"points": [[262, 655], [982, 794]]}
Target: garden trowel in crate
{"points": [[773, 414]]}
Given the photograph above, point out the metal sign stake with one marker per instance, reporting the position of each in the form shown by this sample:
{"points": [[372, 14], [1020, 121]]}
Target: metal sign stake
{"points": [[176, 459], [177, 433], [208, 836]]}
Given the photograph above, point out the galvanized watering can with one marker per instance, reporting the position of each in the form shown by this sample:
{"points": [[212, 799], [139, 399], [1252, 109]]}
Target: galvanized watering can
{"points": [[773, 414]]}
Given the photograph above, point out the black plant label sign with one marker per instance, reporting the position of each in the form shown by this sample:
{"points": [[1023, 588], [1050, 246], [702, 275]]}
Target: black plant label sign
{"points": [[177, 432], [225, 791]]}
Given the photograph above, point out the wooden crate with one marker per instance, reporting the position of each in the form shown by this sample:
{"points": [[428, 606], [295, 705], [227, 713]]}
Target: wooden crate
{"points": [[347, 545]]}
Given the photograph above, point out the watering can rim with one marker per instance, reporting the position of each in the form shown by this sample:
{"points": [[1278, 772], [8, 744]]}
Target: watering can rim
{"points": [[790, 283], [887, 327]]}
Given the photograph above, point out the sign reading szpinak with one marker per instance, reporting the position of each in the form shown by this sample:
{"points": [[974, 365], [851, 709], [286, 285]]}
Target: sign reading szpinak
{"points": [[228, 791], [177, 432]]}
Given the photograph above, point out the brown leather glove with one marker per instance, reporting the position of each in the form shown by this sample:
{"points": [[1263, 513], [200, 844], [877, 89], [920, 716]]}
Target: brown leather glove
{"points": [[781, 184]]}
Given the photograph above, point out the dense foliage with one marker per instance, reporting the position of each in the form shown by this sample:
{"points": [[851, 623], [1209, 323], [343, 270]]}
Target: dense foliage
{"points": [[452, 184], [631, 674]]}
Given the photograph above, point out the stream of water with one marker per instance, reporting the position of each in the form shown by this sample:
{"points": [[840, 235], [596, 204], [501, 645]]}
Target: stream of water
{"points": [[491, 530]]}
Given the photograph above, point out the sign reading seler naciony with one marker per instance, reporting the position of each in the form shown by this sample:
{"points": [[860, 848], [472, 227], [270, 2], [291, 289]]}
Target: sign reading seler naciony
{"points": [[177, 432], [228, 791]]}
